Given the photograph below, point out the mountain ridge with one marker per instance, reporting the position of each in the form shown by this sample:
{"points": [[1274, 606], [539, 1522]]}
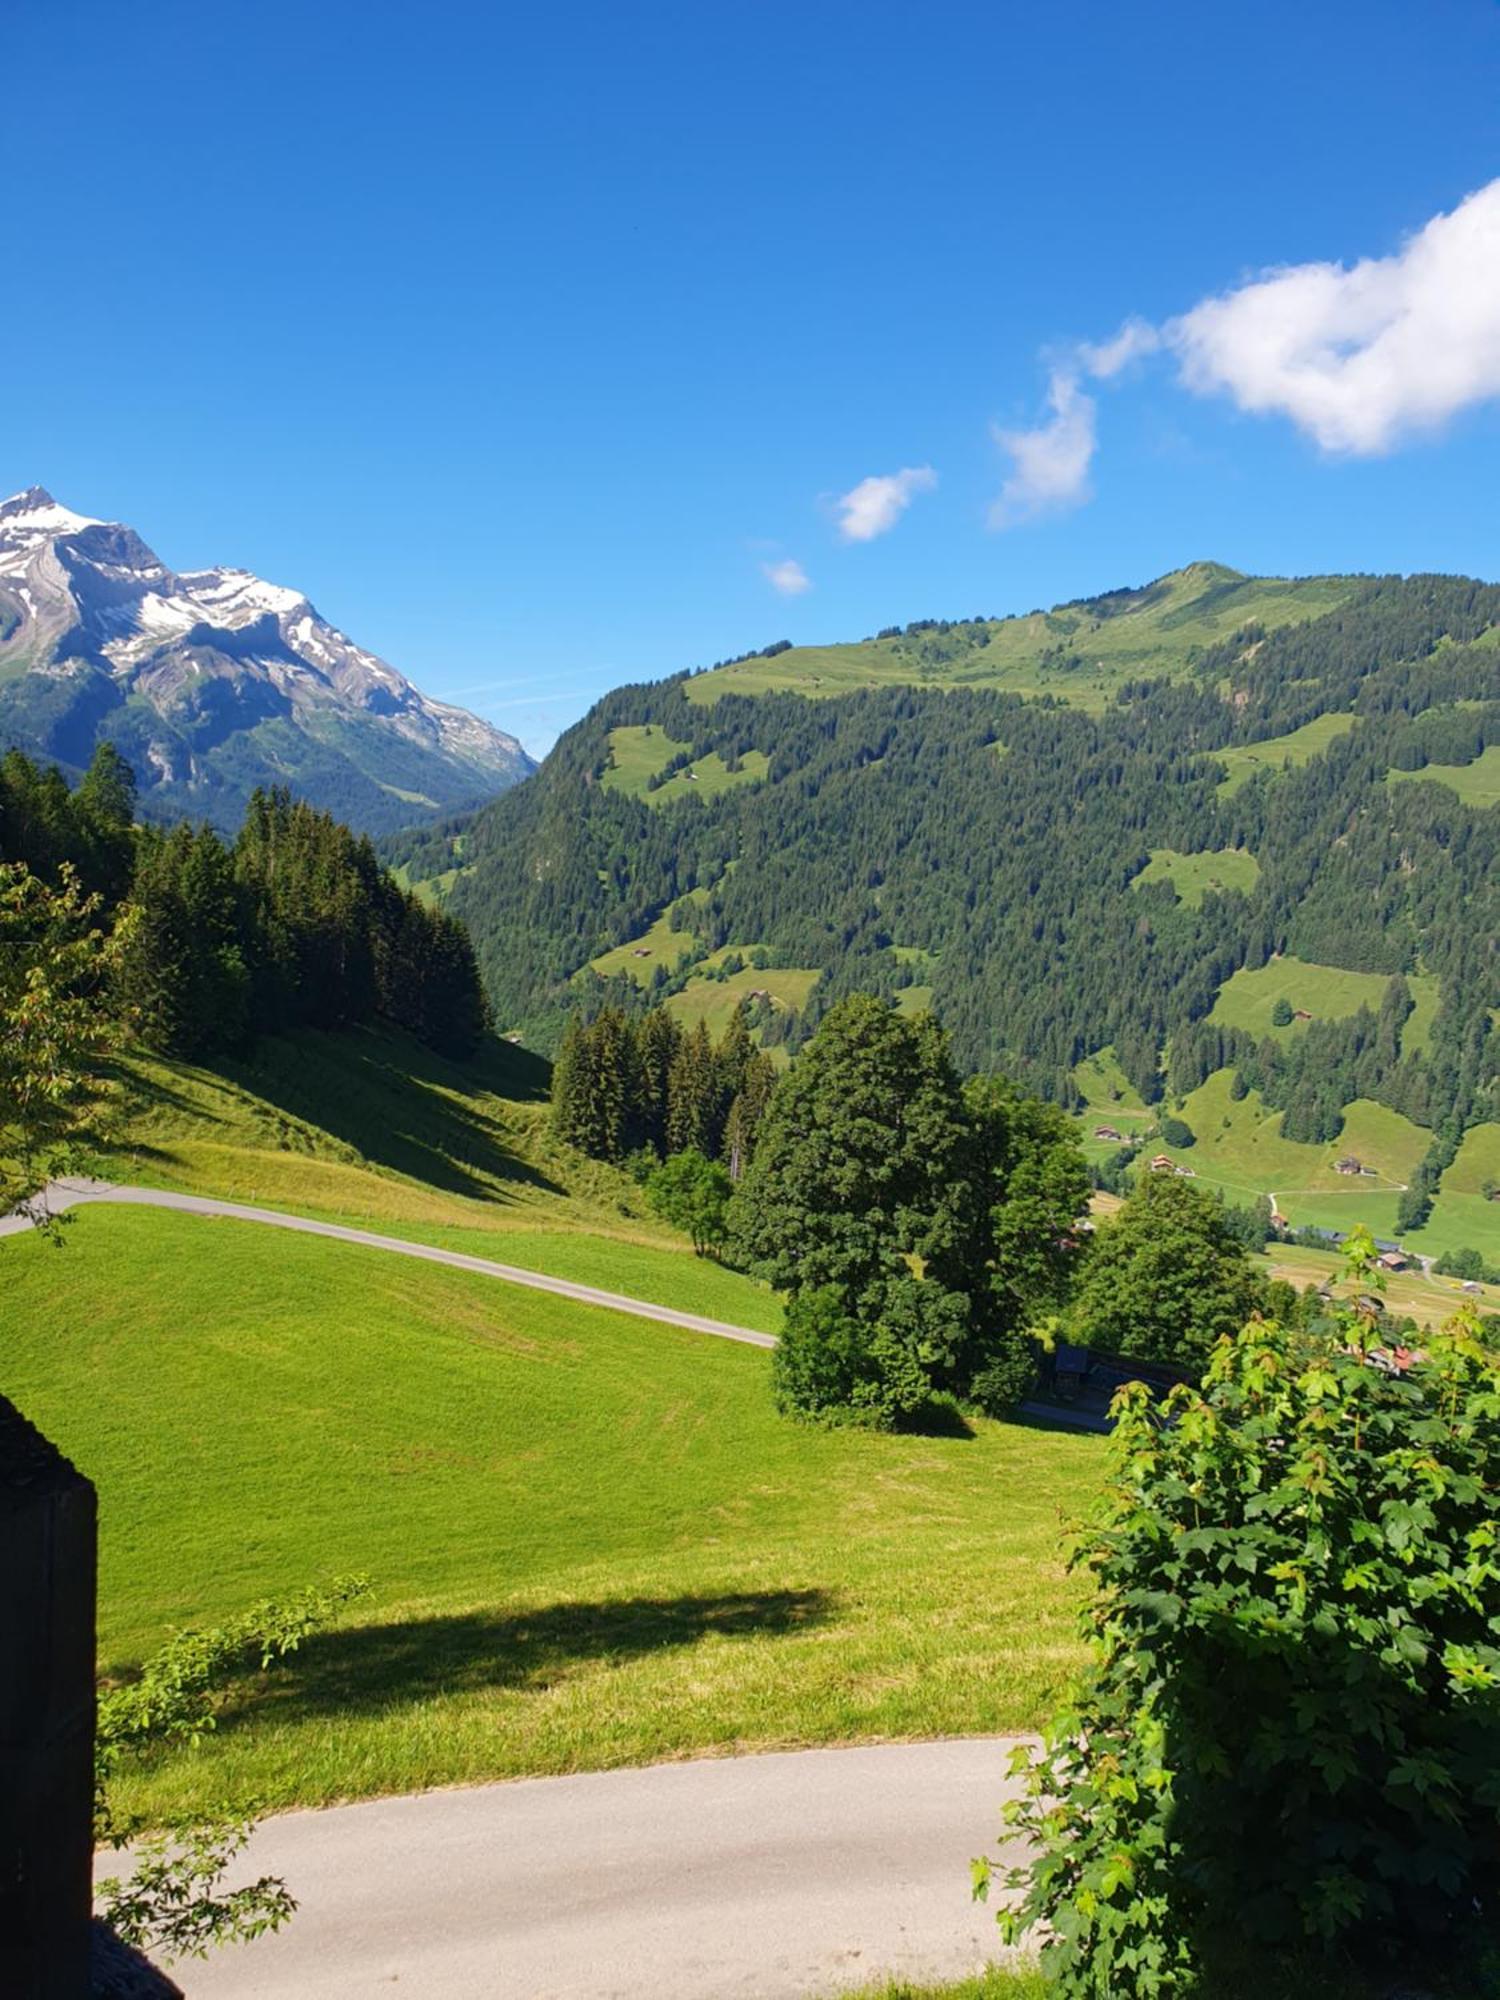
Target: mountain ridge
{"points": [[214, 681]]}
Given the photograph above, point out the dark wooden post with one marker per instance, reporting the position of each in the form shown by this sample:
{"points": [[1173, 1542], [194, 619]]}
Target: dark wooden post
{"points": [[48, 1535]]}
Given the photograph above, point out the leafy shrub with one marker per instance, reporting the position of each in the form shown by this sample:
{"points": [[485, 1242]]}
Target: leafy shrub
{"points": [[1290, 1735], [174, 1900], [692, 1193], [1177, 1132], [1007, 1377], [873, 1366]]}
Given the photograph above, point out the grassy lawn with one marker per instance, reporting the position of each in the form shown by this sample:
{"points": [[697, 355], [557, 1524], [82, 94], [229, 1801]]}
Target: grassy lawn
{"points": [[1326, 992], [593, 1541], [1193, 876], [1477, 784], [373, 1131], [1298, 746], [640, 750]]}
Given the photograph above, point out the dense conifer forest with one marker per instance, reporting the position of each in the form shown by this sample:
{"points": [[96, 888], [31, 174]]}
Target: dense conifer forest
{"points": [[986, 848], [294, 923]]}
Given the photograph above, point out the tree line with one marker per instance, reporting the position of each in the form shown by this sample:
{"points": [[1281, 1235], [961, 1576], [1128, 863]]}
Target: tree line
{"points": [[293, 923], [622, 1087]]}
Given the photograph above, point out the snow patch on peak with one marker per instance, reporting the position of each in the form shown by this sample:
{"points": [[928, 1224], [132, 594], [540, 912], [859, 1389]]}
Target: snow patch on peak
{"points": [[221, 589], [35, 513]]}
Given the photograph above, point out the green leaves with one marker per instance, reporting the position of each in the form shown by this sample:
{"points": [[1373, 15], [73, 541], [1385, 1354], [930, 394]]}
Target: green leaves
{"points": [[1291, 1728]]}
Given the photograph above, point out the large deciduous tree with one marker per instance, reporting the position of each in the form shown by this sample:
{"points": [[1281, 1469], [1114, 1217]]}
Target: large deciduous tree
{"points": [[1165, 1277]]}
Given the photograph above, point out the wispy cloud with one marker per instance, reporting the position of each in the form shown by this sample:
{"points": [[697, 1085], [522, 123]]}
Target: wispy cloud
{"points": [[788, 577], [1050, 463], [1364, 356], [875, 506]]}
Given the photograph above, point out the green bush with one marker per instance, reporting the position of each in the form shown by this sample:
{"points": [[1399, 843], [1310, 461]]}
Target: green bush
{"points": [[1007, 1377], [872, 1366], [1290, 1735], [1177, 1132]]}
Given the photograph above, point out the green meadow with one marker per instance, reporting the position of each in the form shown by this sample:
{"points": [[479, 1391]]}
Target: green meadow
{"points": [[1298, 746], [1477, 784], [592, 1540], [1079, 653], [1194, 876], [1324, 992], [639, 750]]}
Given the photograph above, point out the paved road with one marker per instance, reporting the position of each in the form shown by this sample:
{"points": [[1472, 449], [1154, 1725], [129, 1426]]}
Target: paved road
{"points": [[72, 1193], [747, 1878]]}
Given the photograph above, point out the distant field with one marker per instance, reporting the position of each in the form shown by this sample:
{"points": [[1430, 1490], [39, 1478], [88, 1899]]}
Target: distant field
{"points": [[912, 1000], [1240, 1148], [666, 944], [1426, 993], [593, 1541], [1326, 992], [714, 1000], [640, 750], [1477, 784], [1078, 654], [1297, 747], [1429, 1301], [1104, 1084], [1193, 876]]}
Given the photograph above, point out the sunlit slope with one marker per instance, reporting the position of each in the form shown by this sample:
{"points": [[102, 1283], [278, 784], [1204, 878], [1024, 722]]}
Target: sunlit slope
{"points": [[371, 1129], [1079, 652], [592, 1539]]}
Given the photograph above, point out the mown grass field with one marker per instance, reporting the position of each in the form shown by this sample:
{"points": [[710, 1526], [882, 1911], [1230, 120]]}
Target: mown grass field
{"points": [[371, 1130], [1477, 784], [1298, 746], [640, 750], [1157, 635], [593, 1541], [1193, 876], [667, 943]]}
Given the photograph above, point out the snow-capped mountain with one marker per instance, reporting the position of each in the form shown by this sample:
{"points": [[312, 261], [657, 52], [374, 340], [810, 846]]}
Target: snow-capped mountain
{"points": [[213, 681]]}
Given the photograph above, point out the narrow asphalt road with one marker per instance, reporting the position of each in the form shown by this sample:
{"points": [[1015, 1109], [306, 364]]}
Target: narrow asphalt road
{"points": [[748, 1878], [72, 1193]]}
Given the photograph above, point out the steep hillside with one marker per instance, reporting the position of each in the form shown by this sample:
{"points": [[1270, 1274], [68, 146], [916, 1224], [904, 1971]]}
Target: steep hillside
{"points": [[215, 682], [1054, 881]]}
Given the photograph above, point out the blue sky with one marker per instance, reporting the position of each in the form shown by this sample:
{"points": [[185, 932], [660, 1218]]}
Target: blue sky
{"points": [[534, 344]]}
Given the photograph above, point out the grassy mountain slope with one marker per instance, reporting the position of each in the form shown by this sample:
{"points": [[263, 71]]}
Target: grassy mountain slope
{"points": [[1079, 652], [371, 1129]]}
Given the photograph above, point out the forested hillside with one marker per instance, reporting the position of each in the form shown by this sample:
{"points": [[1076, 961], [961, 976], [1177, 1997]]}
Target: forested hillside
{"points": [[1053, 879]]}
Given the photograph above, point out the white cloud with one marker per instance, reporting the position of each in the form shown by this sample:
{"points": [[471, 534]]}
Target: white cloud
{"points": [[1105, 359], [875, 506], [789, 577], [1361, 357], [1050, 464]]}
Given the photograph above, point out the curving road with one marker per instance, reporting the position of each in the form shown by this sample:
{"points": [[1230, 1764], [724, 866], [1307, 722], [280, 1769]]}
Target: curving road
{"points": [[65, 1194], [800, 1873]]}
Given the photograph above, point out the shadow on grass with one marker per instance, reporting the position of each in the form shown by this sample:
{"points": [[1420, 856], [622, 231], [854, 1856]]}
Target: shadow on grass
{"points": [[366, 1668], [937, 1419], [397, 1104]]}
